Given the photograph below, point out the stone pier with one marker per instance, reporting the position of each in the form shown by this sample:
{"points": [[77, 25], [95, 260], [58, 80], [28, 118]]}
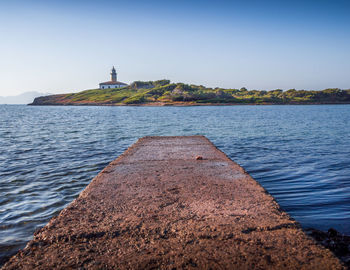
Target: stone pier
{"points": [[173, 203]]}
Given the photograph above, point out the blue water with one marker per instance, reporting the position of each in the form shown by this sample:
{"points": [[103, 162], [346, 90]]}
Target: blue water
{"points": [[300, 154]]}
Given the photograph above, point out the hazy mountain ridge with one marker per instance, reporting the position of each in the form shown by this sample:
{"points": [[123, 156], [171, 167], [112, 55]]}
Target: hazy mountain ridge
{"points": [[23, 98]]}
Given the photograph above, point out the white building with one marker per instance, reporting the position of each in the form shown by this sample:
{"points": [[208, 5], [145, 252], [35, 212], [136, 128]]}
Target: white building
{"points": [[113, 83]]}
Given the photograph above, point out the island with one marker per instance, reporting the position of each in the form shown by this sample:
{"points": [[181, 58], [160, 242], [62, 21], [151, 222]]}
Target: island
{"points": [[164, 92]]}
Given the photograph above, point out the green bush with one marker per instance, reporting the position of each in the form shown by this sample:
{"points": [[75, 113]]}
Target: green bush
{"points": [[138, 99]]}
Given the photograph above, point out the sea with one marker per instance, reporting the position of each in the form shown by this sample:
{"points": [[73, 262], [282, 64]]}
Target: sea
{"points": [[48, 154]]}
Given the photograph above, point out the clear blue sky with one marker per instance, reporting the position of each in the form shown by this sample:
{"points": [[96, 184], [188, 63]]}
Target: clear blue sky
{"points": [[63, 46]]}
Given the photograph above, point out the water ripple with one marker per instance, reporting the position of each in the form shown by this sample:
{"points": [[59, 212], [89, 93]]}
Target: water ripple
{"points": [[300, 154]]}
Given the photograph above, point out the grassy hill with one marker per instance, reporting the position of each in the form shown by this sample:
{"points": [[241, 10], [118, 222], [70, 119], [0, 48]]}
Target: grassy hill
{"points": [[164, 92]]}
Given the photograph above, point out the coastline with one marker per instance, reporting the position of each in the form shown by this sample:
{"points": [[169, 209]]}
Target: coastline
{"points": [[184, 104]]}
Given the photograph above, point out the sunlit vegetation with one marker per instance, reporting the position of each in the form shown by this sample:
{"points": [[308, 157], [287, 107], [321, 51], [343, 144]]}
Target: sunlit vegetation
{"points": [[163, 91]]}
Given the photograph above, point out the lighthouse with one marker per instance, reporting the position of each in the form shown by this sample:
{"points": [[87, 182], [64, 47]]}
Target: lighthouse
{"points": [[113, 83], [113, 75]]}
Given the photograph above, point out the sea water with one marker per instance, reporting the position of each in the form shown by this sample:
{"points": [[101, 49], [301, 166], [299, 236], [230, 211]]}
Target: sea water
{"points": [[299, 154]]}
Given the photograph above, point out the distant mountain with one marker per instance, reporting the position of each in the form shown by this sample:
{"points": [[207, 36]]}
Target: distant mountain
{"points": [[24, 98]]}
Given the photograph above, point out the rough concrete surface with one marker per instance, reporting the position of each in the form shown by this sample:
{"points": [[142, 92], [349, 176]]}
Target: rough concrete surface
{"points": [[160, 206]]}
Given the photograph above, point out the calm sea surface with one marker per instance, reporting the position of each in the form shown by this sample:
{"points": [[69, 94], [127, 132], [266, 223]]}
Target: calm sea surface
{"points": [[300, 154]]}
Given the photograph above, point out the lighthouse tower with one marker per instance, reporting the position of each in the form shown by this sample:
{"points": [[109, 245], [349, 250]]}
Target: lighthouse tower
{"points": [[113, 75]]}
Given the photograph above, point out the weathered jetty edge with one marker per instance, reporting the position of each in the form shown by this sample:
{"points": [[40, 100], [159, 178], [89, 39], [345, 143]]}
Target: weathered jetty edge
{"points": [[173, 203]]}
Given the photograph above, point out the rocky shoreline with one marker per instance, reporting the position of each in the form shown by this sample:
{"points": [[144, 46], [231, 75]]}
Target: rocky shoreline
{"points": [[176, 104], [333, 240]]}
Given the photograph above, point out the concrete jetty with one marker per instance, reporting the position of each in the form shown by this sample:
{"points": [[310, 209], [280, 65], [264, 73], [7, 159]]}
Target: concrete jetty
{"points": [[173, 203]]}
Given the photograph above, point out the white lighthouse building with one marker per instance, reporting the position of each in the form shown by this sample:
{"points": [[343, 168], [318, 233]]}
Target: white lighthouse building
{"points": [[113, 83]]}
